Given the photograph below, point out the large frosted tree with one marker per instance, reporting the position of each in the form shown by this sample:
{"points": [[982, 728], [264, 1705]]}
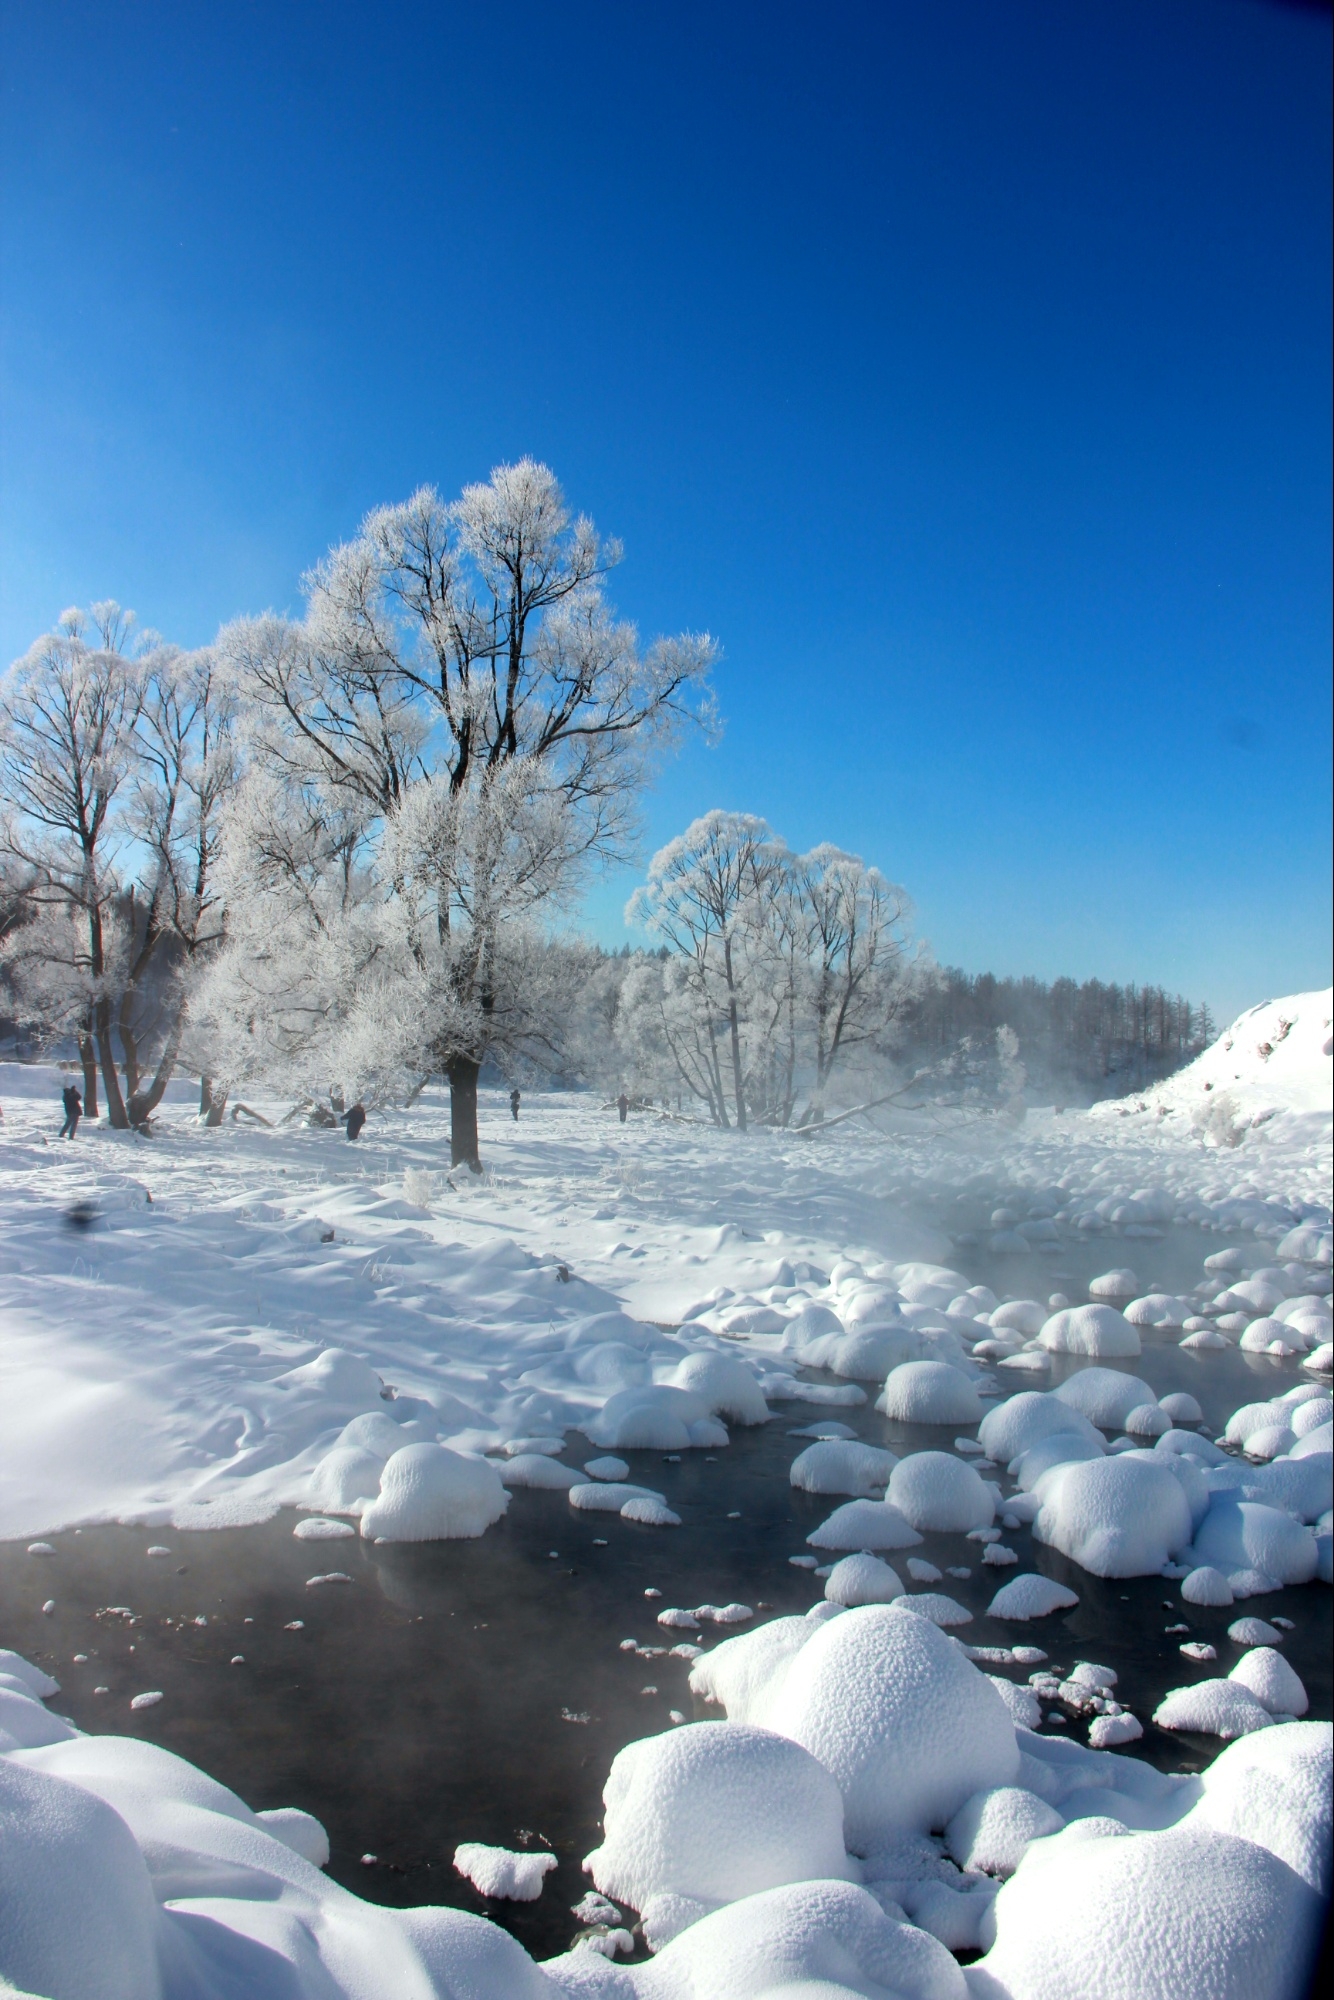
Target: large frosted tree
{"points": [[455, 730]]}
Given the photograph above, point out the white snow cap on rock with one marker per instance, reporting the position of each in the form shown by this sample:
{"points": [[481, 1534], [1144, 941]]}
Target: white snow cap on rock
{"points": [[838, 1465], [1097, 1330], [1237, 1535], [1114, 1516], [428, 1494], [939, 1493], [809, 1941], [908, 1727], [1022, 1421], [1030, 1596], [930, 1392], [1150, 1916], [991, 1832], [716, 1811], [1267, 1675], [865, 1524], [1105, 1396], [862, 1579], [1212, 1708], [724, 1385], [1274, 1787], [501, 1872]]}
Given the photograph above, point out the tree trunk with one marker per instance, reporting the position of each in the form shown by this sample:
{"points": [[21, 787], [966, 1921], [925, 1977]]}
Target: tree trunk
{"points": [[106, 1056], [211, 1107], [143, 1103], [88, 1057], [734, 1031], [462, 1072]]}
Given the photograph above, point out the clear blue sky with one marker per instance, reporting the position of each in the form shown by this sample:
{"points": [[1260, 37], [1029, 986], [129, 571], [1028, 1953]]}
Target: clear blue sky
{"points": [[964, 367]]}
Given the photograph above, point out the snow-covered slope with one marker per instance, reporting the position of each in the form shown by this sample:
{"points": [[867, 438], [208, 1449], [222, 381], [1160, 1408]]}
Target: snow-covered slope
{"points": [[1274, 1058]]}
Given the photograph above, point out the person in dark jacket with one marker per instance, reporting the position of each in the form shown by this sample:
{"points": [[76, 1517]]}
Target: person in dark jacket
{"points": [[514, 1106], [355, 1119], [73, 1111], [622, 1105]]}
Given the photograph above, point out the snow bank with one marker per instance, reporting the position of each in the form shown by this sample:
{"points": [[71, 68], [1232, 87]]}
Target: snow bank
{"points": [[1274, 1058]]}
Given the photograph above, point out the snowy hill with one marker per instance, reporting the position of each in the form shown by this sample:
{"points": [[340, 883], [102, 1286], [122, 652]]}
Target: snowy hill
{"points": [[1274, 1058]]}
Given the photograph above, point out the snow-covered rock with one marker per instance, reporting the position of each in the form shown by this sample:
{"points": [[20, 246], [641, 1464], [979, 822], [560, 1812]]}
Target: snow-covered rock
{"points": [[717, 1811], [429, 1494], [930, 1392], [1114, 1516], [938, 1493]]}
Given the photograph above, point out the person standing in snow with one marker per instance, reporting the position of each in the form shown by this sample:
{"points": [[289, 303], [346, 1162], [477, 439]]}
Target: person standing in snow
{"points": [[73, 1111], [355, 1119], [514, 1106], [622, 1105]]}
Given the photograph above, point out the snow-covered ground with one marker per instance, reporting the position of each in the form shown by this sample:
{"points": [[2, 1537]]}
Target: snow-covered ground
{"points": [[203, 1326], [161, 1361]]}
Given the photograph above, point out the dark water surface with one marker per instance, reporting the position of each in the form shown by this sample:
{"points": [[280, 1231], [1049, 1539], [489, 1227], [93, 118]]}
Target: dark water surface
{"points": [[477, 1691]]}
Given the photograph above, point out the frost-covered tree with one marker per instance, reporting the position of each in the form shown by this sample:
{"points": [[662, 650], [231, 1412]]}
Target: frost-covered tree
{"points": [[116, 754], [461, 725], [705, 897], [782, 966]]}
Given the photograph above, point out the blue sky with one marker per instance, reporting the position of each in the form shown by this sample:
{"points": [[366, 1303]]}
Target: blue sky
{"points": [[963, 367]]}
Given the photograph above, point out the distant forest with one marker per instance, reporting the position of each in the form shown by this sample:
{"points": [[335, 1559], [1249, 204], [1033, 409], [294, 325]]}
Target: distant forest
{"points": [[1083, 1042]]}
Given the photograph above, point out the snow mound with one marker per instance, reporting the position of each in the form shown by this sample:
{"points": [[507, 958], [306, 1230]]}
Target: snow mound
{"points": [[536, 1469], [1030, 1596], [938, 1493], [1207, 1586], [80, 1917], [1114, 1516], [992, 1831], [658, 1417], [500, 1872], [1212, 1708], [842, 1466], [725, 1386], [428, 1493], [908, 1727], [865, 1524], [1097, 1330], [862, 1579], [1151, 1916], [716, 1811], [1022, 1421], [1238, 1535], [1105, 1396], [1275, 1788], [930, 1392], [809, 1941], [1267, 1675]]}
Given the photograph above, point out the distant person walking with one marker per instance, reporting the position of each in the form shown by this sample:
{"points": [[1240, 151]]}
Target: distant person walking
{"points": [[514, 1106], [354, 1120], [622, 1105], [73, 1111]]}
